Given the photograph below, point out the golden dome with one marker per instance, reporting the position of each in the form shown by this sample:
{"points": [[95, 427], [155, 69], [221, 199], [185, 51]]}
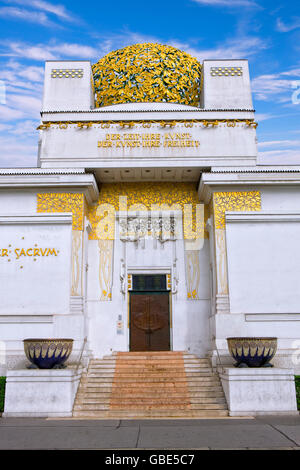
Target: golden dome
{"points": [[147, 73]]}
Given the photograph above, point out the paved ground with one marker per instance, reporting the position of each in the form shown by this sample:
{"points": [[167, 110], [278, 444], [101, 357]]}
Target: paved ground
{"points": [[259, 433]]}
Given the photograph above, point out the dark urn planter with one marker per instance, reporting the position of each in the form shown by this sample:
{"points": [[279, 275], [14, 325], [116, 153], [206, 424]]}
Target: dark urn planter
{"points": [[252, 352], [48, 353]]}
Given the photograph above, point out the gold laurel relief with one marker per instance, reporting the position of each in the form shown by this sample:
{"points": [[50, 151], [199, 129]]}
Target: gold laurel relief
{"points": [[63, 202], [234, 201], [76, 246], [147, 73], [105, 268], [147, 196], [192, 262], [221, 262], [147, 123]]}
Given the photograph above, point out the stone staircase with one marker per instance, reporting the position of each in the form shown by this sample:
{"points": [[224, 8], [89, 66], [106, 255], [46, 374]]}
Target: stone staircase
{"points": [[168, 384]]}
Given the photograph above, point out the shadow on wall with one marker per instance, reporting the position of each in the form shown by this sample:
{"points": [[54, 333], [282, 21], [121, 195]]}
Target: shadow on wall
{"points": [[2, 393], [297, 383]]}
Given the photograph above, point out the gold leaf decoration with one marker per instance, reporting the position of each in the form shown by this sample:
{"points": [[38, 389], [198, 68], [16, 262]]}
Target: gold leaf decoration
{"points": [[63, 202], [147, 73], [234, 201], [146, 196]]}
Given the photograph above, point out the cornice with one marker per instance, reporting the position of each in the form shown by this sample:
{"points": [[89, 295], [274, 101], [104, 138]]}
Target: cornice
{"points": [[226, 180], [41, 171], [134, 111], [262, 216], [54, 218], [84, 182]]}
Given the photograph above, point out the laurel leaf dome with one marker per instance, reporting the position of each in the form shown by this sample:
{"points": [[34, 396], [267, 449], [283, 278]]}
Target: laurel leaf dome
{"points": [[147, 73]]}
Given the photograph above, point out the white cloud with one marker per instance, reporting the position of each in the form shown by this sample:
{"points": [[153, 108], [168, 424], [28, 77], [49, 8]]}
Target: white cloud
{"points": [[279, 143], [228, 3], [42, 8], [42, 52], [19, 143], [29, 105], [292, 73], [17, 152], [17, 49], [236, 48], [25, 15], [111, 42], [17, 74], [276, 152], [275, 86], [286, 28], [5, 127], [75, 50], [33, 73], [10, 114], [58, 10], [25, 128], [263, 117], [24, 86], [279, 157]]}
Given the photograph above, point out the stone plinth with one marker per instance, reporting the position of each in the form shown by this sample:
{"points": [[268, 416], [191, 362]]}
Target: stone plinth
{"points": [[259, 391], [41, 393]]}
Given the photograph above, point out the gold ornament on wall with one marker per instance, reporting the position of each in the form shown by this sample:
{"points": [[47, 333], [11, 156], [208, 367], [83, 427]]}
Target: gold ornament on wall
{"points": [[76, 262], [146, 196], [234, 201], [226, 71], [63, 202], [203, 124], [147, 73], [192, 265], [105, 268]]}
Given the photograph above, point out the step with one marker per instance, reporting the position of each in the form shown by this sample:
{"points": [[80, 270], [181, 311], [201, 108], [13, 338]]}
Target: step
{"points": [[102, 366], [150, 365], [153, 378], [107, 407], [149, 353], [157, 384], [157, 367], [141, 362], [160, 400], [211, 399], [89, 399], [146, 392], [115, 354], [136, 404], [116, 377], [101, 387], [84, 407], [161, 414], [150, 386], [146, 355], [146, 386], [148, 402]]}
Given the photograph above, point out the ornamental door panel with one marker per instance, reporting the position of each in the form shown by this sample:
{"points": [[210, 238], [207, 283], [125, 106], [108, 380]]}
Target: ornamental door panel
{"points": [[149, 321]]}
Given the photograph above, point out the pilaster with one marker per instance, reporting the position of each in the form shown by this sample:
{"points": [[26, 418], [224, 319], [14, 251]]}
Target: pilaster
{"points": [[222, 202]]}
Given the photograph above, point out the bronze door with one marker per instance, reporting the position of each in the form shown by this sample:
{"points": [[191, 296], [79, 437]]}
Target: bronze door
{"points": [[149, 321]]}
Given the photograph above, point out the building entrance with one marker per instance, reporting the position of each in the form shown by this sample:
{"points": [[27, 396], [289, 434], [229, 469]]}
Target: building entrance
{"points": [[149, 314]]}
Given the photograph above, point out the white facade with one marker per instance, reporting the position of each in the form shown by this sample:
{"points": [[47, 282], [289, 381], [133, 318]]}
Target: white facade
{"points": [[244, 270]]}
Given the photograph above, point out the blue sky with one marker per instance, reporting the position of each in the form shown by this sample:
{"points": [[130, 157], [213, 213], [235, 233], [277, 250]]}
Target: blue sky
{"points": [[267, 33]]}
